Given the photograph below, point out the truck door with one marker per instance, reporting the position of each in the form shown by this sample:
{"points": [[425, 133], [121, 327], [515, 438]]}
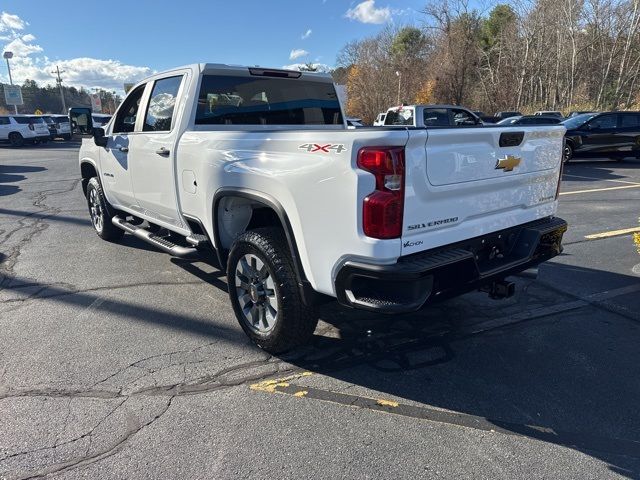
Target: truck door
{"points": [[115, 161], [153, 172]]}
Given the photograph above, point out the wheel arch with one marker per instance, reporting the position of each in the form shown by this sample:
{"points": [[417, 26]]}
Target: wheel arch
{"points": [[266, 201], [88, 170]]}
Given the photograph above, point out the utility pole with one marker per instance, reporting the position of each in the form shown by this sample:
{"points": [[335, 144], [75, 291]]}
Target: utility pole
{"points": [[59, 82]]}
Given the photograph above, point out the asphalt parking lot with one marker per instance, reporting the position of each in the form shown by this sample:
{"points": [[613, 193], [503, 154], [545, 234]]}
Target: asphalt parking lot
{"points": [[118, 361]]}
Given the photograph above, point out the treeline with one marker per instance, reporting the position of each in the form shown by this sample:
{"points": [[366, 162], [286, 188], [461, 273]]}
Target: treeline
{"points": [[525, 55], [47, 99]]}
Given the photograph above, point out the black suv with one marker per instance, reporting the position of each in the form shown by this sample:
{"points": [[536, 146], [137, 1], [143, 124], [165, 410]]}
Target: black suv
{"points": [[611, 134]]}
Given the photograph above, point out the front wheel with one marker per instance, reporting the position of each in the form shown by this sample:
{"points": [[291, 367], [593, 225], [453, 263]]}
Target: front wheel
{"points": [[100, 216], [264, 292]]}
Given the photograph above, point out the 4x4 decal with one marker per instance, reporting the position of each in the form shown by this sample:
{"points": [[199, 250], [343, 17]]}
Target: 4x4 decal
{"points": [[328, 148]]}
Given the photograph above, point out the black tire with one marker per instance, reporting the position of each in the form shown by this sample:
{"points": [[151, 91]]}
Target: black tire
{"points": [[67, 137], [568, 152], [99, 210], [16, 140], [294, 322]]}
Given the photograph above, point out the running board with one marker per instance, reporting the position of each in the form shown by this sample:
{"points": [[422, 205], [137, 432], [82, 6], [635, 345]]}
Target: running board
{"points": [[158, 242]]}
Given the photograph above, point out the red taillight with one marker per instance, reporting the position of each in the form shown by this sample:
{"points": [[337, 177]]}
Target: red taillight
{"points": [[31, 126], [383, 209]]}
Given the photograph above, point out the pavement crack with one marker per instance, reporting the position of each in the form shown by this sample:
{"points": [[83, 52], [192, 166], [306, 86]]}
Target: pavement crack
{"points": [[101, 455]]}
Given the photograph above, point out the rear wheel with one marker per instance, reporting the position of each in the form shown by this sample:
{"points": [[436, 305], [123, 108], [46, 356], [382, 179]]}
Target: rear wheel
{"points": [[99, 210], [264, 292], [15, 139], [67, 136], [568, 152]]}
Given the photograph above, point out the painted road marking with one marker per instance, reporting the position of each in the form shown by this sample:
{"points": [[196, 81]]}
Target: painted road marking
{"points": [[613, 233], [601, 179], [587, 441], [635, 185]]}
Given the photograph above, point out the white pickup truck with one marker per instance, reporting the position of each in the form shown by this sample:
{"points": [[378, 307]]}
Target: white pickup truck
{"points": [[258, 166]]}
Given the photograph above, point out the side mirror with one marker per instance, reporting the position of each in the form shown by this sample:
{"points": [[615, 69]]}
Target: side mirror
{"points": [[99, 138]]}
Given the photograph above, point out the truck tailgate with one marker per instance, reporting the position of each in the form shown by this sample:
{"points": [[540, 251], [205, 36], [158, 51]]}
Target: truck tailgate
{"points": [[473, 181]]}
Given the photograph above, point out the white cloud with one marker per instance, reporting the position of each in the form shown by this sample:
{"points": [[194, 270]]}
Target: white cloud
{"points": [[366, 12], [321, 67], [297, 53], [29, 62], [20, 48], [11, 22], [306, 34]]}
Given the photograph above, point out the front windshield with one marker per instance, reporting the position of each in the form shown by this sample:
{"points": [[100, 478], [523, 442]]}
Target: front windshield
{"points": [[577, 121]]}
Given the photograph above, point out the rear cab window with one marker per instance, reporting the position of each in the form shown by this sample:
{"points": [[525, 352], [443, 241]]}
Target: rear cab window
{"points": [[260, 100], [401, 116]]}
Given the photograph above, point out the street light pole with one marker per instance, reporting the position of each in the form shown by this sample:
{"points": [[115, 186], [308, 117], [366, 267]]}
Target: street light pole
{"points": [[399, 79], [7, 56]]}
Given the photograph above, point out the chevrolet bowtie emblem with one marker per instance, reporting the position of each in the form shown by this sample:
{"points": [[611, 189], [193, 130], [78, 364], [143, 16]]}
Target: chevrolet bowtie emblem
{"points": [[508, 163]]}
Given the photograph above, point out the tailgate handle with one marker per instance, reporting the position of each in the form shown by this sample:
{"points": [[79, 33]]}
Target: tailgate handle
{"points": [[511, 139]]}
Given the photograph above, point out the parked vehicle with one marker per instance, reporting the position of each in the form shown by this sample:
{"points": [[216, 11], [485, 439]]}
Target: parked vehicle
{"points": [[379, 121], [530, 120], [299, 209], [549, 113], [502, 115], [21, 129], [484, 117], [63, 127], [431, 116], [51, 125], [611, 134]]}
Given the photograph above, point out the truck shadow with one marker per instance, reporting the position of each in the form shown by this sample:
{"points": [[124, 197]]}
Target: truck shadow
{"points": [[568, 379], [12, 174]]}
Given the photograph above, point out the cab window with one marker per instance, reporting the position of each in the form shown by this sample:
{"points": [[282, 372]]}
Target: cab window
{"points": [[436, 117], [161, 105], [462, 118], [602, 122], [4, 121], [126, 119]]}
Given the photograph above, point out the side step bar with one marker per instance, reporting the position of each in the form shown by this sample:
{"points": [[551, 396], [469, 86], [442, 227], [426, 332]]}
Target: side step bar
{"points": [[158, 242]]}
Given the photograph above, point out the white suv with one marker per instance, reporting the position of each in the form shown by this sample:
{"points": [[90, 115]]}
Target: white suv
{"points": [[21, 129]]}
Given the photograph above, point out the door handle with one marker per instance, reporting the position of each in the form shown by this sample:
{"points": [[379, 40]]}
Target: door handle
{"points": [[163, 151], [124, 149]]}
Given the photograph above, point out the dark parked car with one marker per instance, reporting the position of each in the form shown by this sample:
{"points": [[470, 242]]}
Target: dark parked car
{"points": [[530, 120], [503, 115], [611, 134], [484, 117]]}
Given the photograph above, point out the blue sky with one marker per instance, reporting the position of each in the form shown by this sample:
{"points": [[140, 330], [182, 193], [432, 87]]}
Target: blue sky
{"points": [[104, 43]]}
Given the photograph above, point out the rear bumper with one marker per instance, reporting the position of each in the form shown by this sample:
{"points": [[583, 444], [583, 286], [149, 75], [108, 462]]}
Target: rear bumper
{"points": [[416, 280]]}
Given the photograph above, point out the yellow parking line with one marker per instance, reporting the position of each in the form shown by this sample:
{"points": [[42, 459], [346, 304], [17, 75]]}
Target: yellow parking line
{"points": [[601, 179], [613, 233], [600, 189]]}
